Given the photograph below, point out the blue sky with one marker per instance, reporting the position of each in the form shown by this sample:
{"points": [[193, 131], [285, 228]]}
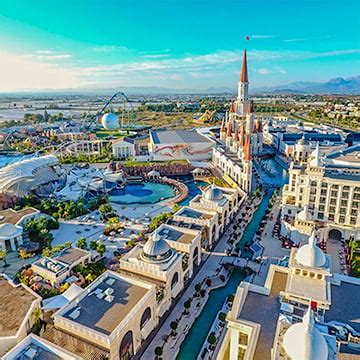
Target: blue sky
{"points": [[48, 44]]}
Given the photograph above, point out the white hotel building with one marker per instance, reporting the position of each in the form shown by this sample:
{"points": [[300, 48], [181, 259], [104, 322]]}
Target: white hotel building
{"points": [[324, 193]]}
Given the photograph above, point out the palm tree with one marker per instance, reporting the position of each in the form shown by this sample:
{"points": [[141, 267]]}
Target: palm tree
{"points": [[3, 254]]}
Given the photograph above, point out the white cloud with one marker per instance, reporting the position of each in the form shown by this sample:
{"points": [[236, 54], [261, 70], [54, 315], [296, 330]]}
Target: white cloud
{"points": [[27, 73], [262, 36], [294, 40]]}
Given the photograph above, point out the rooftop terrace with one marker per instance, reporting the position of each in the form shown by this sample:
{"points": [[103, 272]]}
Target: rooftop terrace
{"points": [[169, 233], [108, 303], [264, 310], [15, 302], [177, 136], [345, 309]]}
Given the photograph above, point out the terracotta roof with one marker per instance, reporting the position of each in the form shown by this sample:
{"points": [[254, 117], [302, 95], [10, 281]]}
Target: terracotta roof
{"points": [[13, 217], [244, 71], [229, 128], [242, 135], [223, 129], [247, 149], [236, 136]]}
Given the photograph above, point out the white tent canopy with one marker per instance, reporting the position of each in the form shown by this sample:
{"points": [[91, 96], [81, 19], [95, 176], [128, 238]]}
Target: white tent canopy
{"points": [[58, 301]]}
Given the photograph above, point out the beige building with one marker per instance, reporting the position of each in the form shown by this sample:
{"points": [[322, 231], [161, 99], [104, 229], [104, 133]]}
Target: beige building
{"points": [[57, 269], [324, 194], [18, 304], [111, 317], [292, 316]]}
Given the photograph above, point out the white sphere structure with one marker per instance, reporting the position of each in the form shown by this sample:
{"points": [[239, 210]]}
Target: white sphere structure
{"points": [[110, 121], [213, 194]]}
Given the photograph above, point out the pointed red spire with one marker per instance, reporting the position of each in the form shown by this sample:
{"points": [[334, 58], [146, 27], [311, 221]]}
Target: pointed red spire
{"points": [[258, 126], [229, 129], [236, 136], [250, 107], [244, 71], [242, 135], [232, 107], [223, 126], [247, 149]]}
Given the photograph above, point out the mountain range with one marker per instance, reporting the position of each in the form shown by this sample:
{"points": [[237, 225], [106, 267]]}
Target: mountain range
{"points": [[348, 86]]}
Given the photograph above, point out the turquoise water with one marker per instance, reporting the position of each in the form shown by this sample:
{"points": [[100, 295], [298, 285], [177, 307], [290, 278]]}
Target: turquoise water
{"points": [[138, 194], [8, 159], [281, 176], [253, 226], [199, 331], [194, 189]]}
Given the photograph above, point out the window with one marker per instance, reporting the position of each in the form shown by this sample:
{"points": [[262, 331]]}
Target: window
{"points": [[320, 216], [331, 217], [342, 219], [174, 280], [334, 193], [145, 317]]}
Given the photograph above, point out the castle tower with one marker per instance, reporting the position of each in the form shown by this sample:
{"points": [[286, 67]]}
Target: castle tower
{"points": [[243, 88]]}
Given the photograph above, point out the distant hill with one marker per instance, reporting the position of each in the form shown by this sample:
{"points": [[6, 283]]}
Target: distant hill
{"points": [[348, 86]]}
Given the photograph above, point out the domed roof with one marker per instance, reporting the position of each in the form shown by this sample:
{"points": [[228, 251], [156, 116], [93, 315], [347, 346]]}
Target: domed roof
{"points": [[8, 230], [153, 173], [301, 141], [213, 194], [110, 121], [310, 254], [156, 249], [304, 214], [303, 341]]}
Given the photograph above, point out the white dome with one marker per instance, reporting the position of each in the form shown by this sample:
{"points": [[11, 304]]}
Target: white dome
{"points": [[310, 254], [303, 341], [8, 230], [156, 249], [213, 194], [153, 173], [110, 121], [304, 214]]}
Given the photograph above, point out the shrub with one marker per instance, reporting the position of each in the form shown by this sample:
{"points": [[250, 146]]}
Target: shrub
{"points": [[211, 338], [222, 316], [208, 282]]}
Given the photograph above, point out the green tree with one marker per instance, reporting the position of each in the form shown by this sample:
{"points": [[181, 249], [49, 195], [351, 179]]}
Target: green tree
{"points": [[158, 352], [101, 248], [173, 326], [93, 245], [211, 339], [105, 208], [81, 243], [3, 254]]}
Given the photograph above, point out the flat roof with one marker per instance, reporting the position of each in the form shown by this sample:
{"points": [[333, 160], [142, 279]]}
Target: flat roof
{"points": [[71, 255], [101, 315], [15, 302], [194, 214], [185, 225], [344, 308], [13, 217], [169, 233], [177, 136], [264, 310]]}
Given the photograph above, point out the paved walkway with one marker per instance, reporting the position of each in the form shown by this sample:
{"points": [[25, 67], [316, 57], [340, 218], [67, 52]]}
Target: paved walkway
{"points": [[210, 269]]}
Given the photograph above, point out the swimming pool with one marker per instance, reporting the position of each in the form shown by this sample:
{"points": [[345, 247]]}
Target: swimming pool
{"points": [[143, 193]]}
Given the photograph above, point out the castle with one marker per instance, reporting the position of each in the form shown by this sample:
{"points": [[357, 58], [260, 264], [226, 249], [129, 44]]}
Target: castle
{"points": [[241, 137]]}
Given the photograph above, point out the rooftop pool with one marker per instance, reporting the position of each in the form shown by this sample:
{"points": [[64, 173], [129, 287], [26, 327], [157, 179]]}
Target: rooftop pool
{"points": [[143, 193]]}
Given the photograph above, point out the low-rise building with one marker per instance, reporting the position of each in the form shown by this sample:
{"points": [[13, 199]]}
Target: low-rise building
{"points": [[57, 269], [179, 145], [114, 314], [35, 348], [18, 304], [11, 226]]}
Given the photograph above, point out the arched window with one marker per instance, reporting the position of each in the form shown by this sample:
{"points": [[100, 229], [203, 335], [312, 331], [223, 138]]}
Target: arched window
{"points": [[145, 317], [195, 256], [174, 280], [127, 346]]}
